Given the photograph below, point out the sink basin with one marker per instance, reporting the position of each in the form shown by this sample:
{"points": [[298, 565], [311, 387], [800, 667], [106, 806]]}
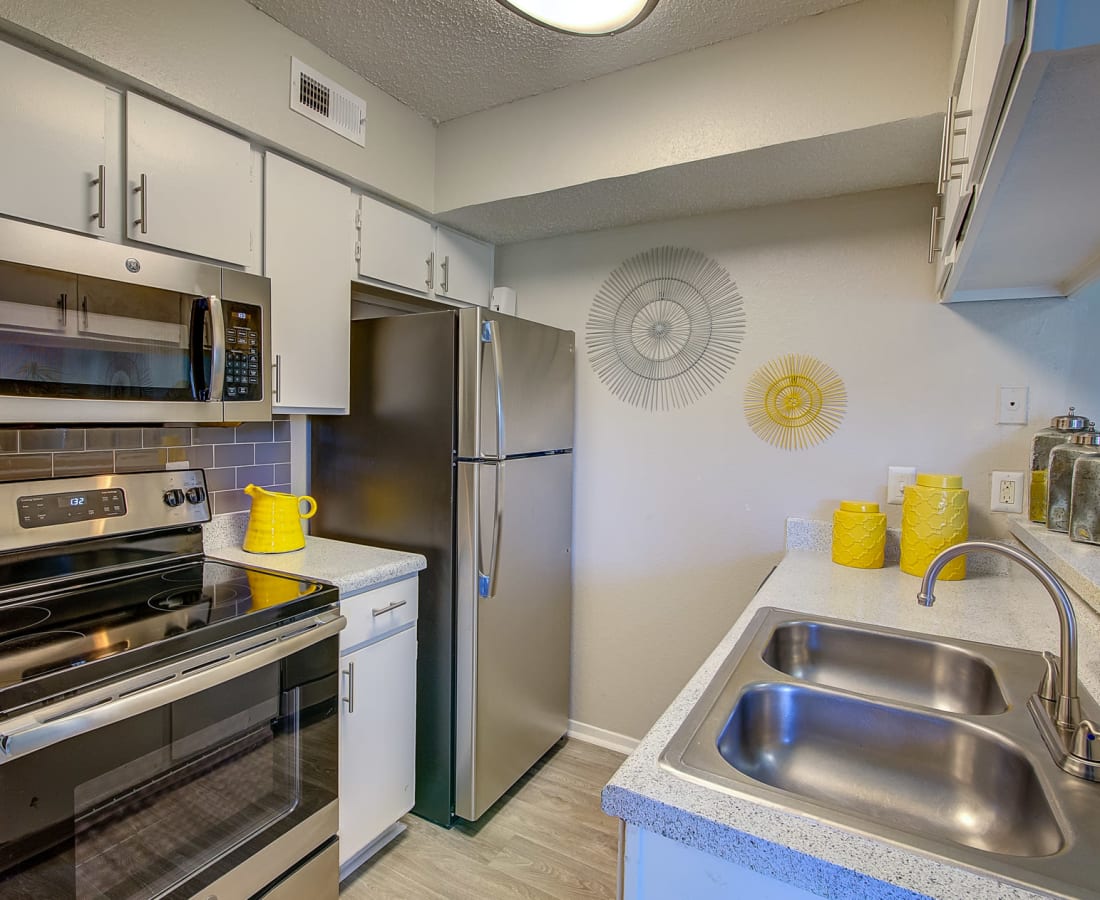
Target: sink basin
{"points": [[917, 740], [908, 668], [909, 769]]}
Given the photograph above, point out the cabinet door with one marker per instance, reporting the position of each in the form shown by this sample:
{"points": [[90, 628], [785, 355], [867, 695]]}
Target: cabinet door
{"points": [[189, 184], [464, 267], [52, 121], [394, 247], [306, 237], [377, 739], [995, 46]]}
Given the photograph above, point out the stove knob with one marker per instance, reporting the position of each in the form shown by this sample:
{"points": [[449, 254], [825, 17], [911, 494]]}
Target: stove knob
{"points": [[196, 495], [173, 497]]}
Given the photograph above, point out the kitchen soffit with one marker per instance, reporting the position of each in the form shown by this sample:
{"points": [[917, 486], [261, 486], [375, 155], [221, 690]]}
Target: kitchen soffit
{"points": [[447, 60]]}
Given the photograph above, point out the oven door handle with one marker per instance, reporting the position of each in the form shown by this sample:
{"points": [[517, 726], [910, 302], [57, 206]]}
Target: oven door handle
{"points": [[106, 706]]}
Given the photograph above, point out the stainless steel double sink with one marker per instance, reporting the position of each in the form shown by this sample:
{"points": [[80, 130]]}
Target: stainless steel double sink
{"points": [[923, 741]]}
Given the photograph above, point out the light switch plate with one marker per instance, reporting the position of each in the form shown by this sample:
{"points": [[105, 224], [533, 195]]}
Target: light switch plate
{"points": [[896, 480]]}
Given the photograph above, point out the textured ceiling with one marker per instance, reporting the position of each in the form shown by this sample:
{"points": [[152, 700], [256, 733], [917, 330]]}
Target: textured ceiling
{"points": [[448, 58]]}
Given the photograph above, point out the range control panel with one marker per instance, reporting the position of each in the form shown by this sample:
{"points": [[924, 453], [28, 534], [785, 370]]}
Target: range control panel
{"points": [[72, 506]]}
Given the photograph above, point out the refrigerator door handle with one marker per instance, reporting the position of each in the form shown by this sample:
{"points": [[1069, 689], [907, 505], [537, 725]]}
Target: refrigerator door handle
{"points": [[490, 334], [487, 584]]}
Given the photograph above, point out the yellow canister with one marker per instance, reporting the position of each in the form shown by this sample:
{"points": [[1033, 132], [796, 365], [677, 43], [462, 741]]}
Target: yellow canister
{"points": [[934, 516], [859, 535]]}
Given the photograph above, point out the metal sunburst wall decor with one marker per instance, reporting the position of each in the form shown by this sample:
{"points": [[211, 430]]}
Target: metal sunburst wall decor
{"points": [[665, 328], [795, 402]]}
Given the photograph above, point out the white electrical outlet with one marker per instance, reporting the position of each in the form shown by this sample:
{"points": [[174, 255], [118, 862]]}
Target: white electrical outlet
{"points": [[1007, 492], [896, 479], [1012, 406]]}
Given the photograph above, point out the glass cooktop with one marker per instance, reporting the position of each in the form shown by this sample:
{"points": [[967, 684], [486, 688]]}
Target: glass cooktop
{"points": [[55, 642]]}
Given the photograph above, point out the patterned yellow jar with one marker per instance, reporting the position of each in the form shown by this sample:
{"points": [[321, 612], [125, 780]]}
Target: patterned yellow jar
{"points": [[934, 516], [859, 535]]}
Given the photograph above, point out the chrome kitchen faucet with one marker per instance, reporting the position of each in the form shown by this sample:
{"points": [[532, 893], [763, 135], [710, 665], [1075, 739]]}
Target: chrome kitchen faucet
{"points": [[1070, 738]]}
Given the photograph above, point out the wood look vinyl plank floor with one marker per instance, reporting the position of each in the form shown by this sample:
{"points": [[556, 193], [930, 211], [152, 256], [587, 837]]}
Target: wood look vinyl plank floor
{"points": [[545, 839]]}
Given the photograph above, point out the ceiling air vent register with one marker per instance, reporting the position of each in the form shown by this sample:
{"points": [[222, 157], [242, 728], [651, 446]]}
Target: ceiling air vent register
{"points": [[665, 328], [327, 103]]}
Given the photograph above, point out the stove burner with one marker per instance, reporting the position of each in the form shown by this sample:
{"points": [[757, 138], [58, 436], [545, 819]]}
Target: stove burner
{"points": [[182, 598], [16, 618], [35, 641]]}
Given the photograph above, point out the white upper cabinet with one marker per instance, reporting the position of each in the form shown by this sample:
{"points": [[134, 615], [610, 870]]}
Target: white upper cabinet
{"points": [[395, 247], [1019, 178], [307, 218], [189, 184], [464, 267], [52, 122]]}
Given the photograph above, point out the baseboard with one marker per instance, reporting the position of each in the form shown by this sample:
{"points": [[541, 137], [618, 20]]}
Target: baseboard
{"points": [[354, 864], [601, 737]]}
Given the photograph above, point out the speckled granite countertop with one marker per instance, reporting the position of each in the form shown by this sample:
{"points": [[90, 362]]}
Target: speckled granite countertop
{"points": [[1078, 565], [351, 567], [1010, 609]]}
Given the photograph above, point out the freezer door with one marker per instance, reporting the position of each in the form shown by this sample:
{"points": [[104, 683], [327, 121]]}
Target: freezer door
{"points": [[515, 382], [513, 611]]}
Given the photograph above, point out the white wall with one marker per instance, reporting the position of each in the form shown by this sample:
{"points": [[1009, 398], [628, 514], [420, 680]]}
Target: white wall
{"points": [[867, 64], [680, 515], [229, 61]]}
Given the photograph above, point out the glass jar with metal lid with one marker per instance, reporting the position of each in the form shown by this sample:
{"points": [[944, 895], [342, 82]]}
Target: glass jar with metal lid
{"points": [[1060, 475], [1045, 440], [1084, 500]]}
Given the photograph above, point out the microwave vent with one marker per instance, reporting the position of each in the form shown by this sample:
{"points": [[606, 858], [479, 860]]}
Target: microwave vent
{"points": [[327, 103]]}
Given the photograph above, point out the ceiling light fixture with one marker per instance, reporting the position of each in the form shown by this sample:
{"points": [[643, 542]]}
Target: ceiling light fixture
{"points": [[595, 17]]}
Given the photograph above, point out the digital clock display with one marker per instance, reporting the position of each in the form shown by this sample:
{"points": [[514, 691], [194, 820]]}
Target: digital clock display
{"points": [[79, 500]]}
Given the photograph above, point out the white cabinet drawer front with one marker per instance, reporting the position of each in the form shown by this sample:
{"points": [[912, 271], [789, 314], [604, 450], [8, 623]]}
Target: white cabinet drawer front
{"points": [[197, 194], [52, 121], [376, 612], [395, 247]]}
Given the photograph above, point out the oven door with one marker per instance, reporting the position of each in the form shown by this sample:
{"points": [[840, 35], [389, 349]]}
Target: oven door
{"points": [[211, 777]]}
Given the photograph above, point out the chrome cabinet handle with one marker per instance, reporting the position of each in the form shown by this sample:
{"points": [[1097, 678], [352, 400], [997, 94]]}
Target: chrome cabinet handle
{"points": [[349, 674], [278, 366], [945, 140], [84, 311], [62, 309], [446, 267], [932, 248], [382, 610], [430, 262], [101, 182], [143, 189]]}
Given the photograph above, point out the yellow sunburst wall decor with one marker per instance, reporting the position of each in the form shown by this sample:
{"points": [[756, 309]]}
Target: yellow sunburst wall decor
{"points": [[795, 401], [665, 328]]}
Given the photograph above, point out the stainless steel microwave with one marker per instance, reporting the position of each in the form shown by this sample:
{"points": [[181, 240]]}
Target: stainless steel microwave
{"points": [[95, 332]]}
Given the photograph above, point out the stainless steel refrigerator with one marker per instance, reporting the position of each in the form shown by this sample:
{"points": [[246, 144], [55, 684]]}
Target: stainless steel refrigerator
{"points": [[458, 445]]}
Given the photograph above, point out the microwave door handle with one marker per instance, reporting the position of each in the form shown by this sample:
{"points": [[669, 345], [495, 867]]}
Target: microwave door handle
{"points": [[490, 334], [200, 389], [487, 583], [217, 348]]}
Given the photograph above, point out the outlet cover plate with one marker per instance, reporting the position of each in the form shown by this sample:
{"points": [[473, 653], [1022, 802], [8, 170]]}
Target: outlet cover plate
{"points": [[1012, 406], [1007, 492], [896, 480]]}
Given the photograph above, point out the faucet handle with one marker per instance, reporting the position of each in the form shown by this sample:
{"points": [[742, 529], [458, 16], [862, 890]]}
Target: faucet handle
{"points": [[1048, 686], [1083, 744]]}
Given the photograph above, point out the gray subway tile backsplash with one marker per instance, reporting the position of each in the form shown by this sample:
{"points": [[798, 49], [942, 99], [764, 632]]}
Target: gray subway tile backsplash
{"points": [[35, 440], [232, 457]]}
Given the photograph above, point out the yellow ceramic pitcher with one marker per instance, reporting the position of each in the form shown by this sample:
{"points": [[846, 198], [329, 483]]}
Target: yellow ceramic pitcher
{"points": [[274, 525]]}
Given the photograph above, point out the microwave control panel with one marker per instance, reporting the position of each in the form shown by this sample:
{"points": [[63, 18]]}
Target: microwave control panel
{"points": [[243, 354], [80, 506]]}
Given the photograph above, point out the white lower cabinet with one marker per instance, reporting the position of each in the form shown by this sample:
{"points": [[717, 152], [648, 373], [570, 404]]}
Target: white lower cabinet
{"points": [[377, 716]]}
